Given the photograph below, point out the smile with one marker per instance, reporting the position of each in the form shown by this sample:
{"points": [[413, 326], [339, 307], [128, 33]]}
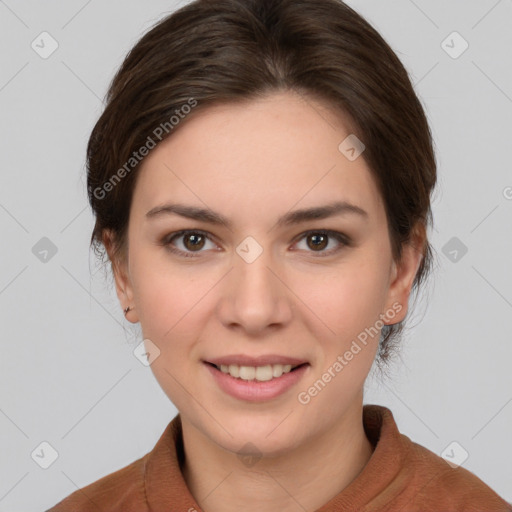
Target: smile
{"points": [[256, 383], [259, 373]]}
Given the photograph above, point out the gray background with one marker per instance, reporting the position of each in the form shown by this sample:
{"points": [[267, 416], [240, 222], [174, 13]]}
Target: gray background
{"points": [[68, 374]]}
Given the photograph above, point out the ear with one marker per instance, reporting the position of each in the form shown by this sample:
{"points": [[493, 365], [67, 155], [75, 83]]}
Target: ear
{"points": [[404, 272], [123, 284]]}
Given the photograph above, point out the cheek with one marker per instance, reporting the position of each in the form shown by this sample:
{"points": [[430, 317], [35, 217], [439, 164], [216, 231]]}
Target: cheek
{"points": [[170, 299], [166, 307], [170, 308], [155, 292], [347, 299]]}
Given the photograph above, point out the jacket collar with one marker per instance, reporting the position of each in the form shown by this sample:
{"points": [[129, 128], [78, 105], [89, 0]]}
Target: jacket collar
{"points": [[166, 489]]}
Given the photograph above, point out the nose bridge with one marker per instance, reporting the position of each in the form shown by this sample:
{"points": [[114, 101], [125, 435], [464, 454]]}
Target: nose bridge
{"points": [[252, 274], [254, 297]]}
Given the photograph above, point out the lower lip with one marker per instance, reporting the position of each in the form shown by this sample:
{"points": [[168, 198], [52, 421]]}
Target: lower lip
{"points": [[254, 390]]}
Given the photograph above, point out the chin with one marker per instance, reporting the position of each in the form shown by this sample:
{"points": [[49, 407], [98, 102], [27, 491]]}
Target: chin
{"points": [[267, 435]]}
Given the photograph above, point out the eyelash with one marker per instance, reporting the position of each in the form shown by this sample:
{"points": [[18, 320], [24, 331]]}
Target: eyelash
{"points": [[343, 239]]}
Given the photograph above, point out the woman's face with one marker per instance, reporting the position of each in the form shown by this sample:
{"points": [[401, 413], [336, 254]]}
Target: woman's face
{"points": [[259, 286]]}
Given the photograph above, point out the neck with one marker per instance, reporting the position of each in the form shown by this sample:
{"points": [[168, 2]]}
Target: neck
{"points": [[302, 478]]}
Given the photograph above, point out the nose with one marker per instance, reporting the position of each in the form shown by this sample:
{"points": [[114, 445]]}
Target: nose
{"points": [[254, 298]]}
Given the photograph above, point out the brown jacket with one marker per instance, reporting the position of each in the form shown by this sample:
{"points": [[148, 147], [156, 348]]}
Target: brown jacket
{"points": [[400, 476]]}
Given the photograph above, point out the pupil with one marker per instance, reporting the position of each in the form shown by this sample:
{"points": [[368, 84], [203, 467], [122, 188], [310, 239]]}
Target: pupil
{"points": [[193, 244], [320, 243]]}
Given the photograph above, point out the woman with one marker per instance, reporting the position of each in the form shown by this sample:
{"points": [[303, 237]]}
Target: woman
{"points": [[261, 181]]}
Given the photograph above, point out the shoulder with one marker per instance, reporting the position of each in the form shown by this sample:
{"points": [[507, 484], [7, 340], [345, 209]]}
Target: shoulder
{"points": [[417, 479], [150, 482], [456, 488], [121, 490]]}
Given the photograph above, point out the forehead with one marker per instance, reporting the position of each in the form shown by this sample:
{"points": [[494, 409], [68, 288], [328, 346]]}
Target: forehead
{"points": [[267, 154]]}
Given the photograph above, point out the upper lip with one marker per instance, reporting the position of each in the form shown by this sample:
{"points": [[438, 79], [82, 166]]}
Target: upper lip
{"points": [[263, 360]]}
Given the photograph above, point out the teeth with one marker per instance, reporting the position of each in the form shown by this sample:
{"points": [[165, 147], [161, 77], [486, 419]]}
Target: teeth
{"points": [[259, 373], [247, 372], [234, 370]]}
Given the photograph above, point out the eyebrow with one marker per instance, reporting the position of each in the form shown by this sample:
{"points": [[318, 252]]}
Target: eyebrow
{"points": [[290, 218]]}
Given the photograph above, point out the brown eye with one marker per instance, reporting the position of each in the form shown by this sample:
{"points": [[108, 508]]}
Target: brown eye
{"points": [[187, 243], [193, 241], [318, 241], [190, 243]]}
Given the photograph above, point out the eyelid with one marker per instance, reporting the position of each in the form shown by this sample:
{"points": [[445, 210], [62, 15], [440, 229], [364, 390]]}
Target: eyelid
{"points": [[166, 241], [343, 239]]}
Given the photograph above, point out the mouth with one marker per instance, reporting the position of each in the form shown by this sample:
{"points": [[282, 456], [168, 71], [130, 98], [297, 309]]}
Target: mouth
{"points": [[268, 379], [256, 373]]}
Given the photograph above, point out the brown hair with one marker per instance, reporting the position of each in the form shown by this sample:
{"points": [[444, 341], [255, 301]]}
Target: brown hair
{"points": [[213, 51]]}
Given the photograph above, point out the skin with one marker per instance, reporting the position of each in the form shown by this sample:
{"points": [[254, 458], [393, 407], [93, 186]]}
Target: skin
{"points": [[253, 163]]}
